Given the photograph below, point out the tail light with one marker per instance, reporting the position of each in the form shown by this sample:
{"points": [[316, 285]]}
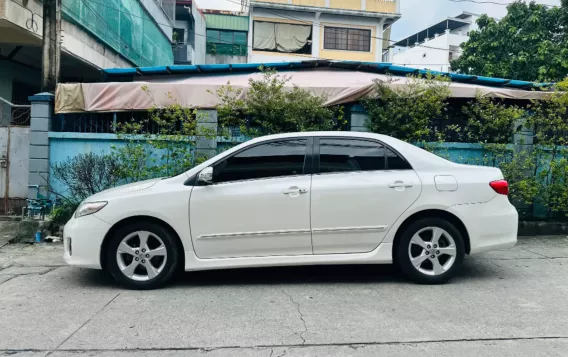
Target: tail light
{"points": [[500, 186]]}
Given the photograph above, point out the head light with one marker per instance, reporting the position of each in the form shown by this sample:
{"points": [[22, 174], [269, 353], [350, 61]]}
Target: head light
{"points": [[88, 208]]}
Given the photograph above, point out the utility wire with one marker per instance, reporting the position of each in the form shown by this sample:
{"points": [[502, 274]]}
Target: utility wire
{"points": [[180, 43], [229, 43], [107, 25], [495, 2], [150, 20], [312, 23]]}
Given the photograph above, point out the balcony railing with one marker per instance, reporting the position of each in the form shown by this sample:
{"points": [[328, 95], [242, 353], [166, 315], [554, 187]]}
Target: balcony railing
{"points": [[182, 53], [14, 114]]}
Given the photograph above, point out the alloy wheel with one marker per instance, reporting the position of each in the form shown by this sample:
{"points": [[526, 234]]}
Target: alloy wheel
{"points": [[141, 256], [432, 251]]}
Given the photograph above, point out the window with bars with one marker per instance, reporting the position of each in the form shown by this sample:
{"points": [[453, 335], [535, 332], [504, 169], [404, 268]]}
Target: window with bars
{"points": [[338, 38]]}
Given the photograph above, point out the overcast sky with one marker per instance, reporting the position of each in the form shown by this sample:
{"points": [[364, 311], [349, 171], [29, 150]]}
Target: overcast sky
{"points": [[416, 14]]}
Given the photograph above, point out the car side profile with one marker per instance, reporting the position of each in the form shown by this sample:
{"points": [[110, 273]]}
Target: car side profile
{"points": [[298, 199]]}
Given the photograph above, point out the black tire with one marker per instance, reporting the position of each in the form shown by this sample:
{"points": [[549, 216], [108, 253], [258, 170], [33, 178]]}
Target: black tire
{"points": [[403, 260], [172, 261]]}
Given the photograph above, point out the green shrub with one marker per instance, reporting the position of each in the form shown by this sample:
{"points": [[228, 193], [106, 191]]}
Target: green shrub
{"points": [[62, 214], [270, 108]]}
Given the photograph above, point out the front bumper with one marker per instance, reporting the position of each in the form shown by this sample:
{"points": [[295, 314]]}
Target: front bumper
{"points": [[491, 226], [83, 238]]}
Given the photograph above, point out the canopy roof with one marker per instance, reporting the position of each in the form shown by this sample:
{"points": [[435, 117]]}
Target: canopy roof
{"points": [[192, 86]]}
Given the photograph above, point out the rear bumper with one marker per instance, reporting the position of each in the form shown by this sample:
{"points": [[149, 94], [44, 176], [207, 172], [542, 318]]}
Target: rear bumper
{"points": [[83, 238], [491, 226]]}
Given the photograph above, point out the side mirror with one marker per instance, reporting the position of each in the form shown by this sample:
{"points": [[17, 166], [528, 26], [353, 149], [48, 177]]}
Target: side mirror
{"points": [[206, 175]]}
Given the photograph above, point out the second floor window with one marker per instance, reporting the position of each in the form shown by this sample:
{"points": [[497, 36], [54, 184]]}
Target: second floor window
{"points": [[231, 43], [338, 38], [282, 37]]}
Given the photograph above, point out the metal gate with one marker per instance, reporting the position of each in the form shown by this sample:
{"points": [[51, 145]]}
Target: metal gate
{"points": [[14, 154]]}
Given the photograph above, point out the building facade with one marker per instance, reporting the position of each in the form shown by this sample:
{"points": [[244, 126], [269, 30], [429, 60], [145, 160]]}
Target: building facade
{"points": [[436, 46], [95, 34], [295, 30], [189, 33], [227, 37]]}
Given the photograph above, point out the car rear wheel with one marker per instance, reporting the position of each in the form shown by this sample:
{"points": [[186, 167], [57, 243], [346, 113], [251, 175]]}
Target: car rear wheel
{"points": [[142, 256], [430, 251]]}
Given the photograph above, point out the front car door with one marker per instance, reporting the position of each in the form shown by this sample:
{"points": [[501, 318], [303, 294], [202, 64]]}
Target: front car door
{"points": [[359, 190], [258, 204]]}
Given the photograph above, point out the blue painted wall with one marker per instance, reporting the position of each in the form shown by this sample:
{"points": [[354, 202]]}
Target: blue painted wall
{"points": [[64, 146]]}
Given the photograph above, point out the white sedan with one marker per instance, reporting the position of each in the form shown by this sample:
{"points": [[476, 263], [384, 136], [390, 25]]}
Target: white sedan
{"points": [[298, 199]]}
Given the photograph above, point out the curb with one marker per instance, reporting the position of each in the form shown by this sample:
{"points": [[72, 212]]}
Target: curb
{"points": [[542, 228]]}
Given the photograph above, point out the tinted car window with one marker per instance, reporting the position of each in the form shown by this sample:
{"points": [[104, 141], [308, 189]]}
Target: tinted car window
{"points": [[347, 155], [395, 162], [274, 159]]}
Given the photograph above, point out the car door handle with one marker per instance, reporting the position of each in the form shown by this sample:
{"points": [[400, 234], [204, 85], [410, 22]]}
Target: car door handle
{"points": [[399, 184], [295, 190]]}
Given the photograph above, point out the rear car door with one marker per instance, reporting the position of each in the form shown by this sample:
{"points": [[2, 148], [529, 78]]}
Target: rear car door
{"points": [[258, 204], [359, 189]]}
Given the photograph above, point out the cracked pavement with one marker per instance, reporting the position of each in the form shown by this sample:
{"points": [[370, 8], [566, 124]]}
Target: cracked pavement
{"points": [[506, 303]]}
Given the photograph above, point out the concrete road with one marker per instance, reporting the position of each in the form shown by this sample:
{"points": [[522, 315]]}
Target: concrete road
{"points": [[508, 303]]}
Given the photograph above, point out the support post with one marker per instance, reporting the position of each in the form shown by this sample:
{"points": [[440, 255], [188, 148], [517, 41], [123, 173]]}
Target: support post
{"points": [[523, 141], [51, 48], [206, 143], [316, 30], [41, 117], [359, 118], [379, 40]]}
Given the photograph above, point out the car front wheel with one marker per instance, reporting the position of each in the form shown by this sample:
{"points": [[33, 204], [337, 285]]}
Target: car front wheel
{"points": [[430, 251], [142, 256]]}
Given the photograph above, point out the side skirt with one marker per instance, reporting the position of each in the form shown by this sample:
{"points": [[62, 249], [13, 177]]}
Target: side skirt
{"points": [[381, 255]]}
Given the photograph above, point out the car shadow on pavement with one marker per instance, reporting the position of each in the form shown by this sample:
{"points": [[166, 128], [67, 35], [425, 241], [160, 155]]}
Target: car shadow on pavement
{"points": [[344, 274], [332, 274]]}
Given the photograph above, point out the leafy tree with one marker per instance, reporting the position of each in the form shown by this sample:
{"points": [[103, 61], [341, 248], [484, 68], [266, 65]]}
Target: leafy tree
{"points": [[268, 107], [161, 144], [491, 121], [407, 111], [529, 43], [549, 121]]}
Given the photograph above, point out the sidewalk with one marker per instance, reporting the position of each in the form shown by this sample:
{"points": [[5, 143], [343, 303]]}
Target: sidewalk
{"points": [[506, 303]]}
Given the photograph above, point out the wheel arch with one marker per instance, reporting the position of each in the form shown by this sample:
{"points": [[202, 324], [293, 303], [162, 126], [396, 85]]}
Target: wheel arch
{"points": [[433, 213], [132, 220]]}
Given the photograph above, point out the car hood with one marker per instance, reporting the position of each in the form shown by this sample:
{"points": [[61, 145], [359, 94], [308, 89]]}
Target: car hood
{"points": [[123, 190]]}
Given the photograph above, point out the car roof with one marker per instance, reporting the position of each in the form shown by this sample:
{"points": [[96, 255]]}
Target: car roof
{"points": [[355, 134], [419, 159]]}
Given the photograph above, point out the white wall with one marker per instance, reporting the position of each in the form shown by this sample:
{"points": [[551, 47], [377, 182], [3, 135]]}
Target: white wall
{"points": [[19, 15], [84, 45], [159, 15], [19, 163], [75, 40], [225, 59], [434, 57], [199, 51]]}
